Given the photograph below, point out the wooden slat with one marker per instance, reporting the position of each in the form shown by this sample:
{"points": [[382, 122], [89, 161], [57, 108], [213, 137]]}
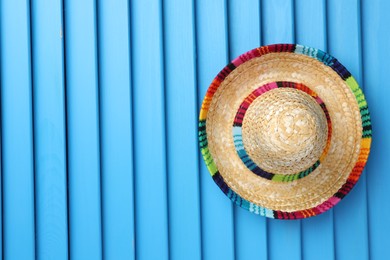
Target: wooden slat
{"points": [[310, 23], [1, 178], [277, 21], [83, 130], [182, 134], [310, 17], [151, 216], [17, 131], [212, 53], [244, 35], [376, 41], [49, 130], [351, 233], [284, 237], [116, 130]]}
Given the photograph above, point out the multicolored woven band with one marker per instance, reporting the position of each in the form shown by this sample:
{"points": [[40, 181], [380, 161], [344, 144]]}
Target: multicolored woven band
{"points": [[365, 142], [240, 146]]}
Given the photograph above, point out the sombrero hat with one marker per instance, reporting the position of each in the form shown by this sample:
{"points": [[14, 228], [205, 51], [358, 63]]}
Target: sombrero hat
{"points": [[285, 131]]}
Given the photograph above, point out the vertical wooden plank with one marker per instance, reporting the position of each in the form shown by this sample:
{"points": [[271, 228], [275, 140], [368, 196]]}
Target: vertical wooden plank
{"points": [[310, 23], [1, 147], [212, 53], [244, 35], [310, 17], [49, 130], [351, 234], [376, 40], [116, 130], [151, 216], [182, 134], [1, 177], [284, 237], [83, 130], [1, 172], [17, 135], [277, 21]]}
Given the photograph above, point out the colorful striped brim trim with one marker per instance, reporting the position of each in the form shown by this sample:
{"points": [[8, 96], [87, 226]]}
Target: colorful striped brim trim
{"points": [[365, 143]]}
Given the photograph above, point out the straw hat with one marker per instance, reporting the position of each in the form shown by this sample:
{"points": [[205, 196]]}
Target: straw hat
{"points": [[285, 131]]}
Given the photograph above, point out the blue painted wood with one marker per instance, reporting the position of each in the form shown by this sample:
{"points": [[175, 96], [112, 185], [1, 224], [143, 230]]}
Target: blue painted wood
{"points": [[83, 130], [1, 177], [1, 153], [151, 216], [310, 23], [351, 213], [182, 134], [116, 130], [284, 237], [277, 21], [212, 53], [376, 41], [1, 180], [17, 131], [49, 130], [317, 233], [123, 72], [244, 35]]}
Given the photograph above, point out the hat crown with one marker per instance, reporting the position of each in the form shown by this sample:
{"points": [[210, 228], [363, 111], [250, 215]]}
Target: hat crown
{"points": [[284, 131]]}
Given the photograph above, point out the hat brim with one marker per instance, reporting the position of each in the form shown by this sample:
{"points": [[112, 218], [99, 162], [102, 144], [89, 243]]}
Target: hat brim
{"points": [[349, 144]]}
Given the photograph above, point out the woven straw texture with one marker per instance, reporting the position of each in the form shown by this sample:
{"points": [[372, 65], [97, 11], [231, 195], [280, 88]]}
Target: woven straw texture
{"points": [[285, 131]]}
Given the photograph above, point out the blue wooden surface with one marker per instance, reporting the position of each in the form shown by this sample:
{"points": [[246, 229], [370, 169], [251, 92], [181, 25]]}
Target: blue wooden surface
{"points": [[181, 127], [375, 41], [85, 232], [116, 130], [49, 130], [99, 107], [151, 202], [1, 189], [17, 132]]}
